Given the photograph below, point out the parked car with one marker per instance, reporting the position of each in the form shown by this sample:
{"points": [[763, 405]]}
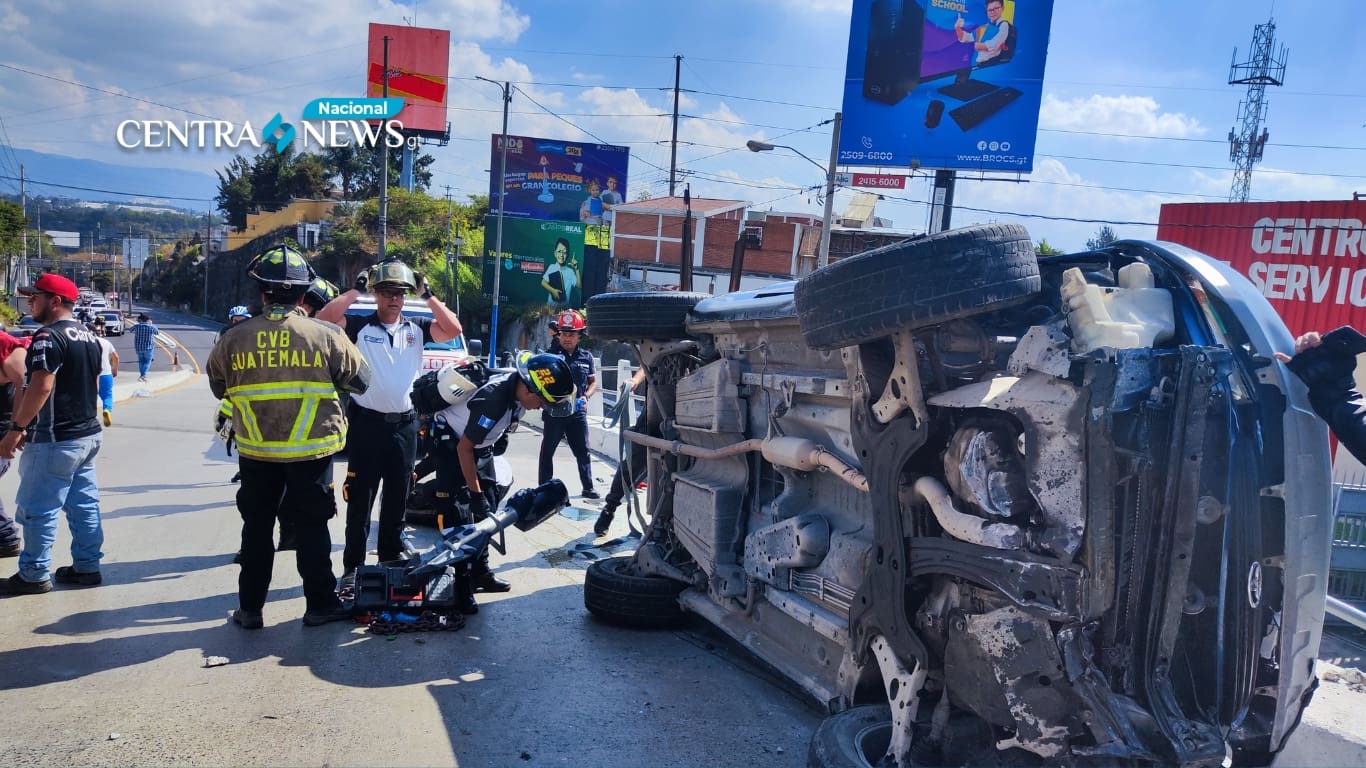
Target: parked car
{"points": [[113, 323], [990, 508]]}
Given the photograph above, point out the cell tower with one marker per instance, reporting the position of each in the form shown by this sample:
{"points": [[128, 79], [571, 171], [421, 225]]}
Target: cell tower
{"points": [[1246, 142]]}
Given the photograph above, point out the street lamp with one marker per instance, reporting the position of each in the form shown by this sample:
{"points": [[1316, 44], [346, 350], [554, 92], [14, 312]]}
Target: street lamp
{"points": [[506, 87], [823, 253]]}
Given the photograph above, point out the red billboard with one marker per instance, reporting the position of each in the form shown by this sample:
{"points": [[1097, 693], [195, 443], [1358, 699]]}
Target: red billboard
{"points": [[419, 62], [1307, 258]]}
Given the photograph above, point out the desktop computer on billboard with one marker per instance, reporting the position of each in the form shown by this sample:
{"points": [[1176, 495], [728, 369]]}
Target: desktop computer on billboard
{"points": [[912, 63]]}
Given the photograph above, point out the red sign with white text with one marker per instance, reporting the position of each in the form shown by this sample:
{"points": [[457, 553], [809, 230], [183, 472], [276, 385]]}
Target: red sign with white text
{"points": [[878, 181], [1307, 258]]}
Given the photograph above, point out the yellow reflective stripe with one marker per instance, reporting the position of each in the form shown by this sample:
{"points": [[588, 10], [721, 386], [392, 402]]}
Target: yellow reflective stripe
{"points": [[296, 387], [303, 423], [225, 407], [249, 429], [276, 449]]}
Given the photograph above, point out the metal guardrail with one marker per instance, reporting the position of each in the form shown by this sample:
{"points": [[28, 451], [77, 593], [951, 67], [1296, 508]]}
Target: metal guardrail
{"points": [[1346, 611]]}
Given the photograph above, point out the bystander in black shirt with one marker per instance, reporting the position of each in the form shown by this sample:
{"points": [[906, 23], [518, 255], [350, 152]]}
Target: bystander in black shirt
{"points": [[72, 354]]}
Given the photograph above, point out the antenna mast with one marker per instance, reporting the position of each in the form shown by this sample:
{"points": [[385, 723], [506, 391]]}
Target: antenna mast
{"points": [[1248, 139]]}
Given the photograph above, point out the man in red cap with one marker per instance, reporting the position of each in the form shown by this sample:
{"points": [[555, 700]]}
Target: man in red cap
{"points": [[56, 423]]}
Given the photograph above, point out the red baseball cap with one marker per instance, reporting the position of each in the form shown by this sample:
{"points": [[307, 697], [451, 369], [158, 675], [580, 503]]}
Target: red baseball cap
{"points": [[54, 284]]}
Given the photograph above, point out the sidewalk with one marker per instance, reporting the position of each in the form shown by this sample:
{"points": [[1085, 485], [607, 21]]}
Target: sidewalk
{"points": [[127, 386]]}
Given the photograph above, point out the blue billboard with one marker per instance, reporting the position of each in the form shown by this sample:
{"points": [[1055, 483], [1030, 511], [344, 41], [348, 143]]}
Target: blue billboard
{"points": [[555, 180], [952, 84]]}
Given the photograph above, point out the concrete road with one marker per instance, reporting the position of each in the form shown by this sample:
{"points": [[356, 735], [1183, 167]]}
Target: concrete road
{"points": [[115, 674]]}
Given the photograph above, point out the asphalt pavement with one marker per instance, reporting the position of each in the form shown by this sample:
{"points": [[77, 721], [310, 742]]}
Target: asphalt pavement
{"points": [[117, 675]]}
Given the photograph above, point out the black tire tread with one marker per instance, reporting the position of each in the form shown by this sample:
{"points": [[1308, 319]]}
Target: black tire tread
{"points": [[620, 598], [636, 316], [916, 284]]}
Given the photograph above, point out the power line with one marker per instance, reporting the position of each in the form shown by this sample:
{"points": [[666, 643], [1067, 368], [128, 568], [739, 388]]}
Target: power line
{"points": [[1188, 139], [571, 124], [107, 191], [1200, 167], [103, 90], [204, 77], [761, 101]]}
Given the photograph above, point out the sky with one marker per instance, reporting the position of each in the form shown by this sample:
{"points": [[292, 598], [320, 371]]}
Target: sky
{"points": [[1136, 106]]}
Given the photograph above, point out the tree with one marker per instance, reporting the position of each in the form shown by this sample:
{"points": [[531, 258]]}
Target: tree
{"points": [[102, 281], [345, 165], [1042, 248], [234, 196], [11, 227], [1104, 236]]}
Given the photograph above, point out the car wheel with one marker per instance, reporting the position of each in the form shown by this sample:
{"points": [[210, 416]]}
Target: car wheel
{"points": [[858, 737], [917, 283], [618, 597], [640, 315]]}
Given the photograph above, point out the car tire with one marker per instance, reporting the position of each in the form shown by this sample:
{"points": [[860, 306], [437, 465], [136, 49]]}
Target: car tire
{"points": [[917, 283], [617, 597], [637, 316], [858, 737]]}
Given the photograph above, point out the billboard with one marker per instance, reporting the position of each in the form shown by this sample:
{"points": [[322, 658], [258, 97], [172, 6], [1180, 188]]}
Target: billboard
{"points": [[952, 84], [542, 261], [560, 180], [1305, 257], [419, 61]]}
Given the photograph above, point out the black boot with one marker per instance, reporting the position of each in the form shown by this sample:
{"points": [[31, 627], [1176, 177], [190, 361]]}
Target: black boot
{"points": [[604, 521], [464, 596]]}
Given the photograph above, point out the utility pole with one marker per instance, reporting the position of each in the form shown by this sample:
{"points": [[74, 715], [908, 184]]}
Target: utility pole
{"points": [[384, 165], [498, 240], [452, 281], [23, 206], [204, 255], [1245, 143], [673, 145], [828, 219]]}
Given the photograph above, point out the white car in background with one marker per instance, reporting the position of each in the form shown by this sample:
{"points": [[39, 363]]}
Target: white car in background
{"points": [[113, 323]]}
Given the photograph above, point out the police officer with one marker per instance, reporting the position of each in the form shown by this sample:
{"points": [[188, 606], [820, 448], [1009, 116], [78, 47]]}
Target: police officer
{"points": [[464, 440], [282, 371], [382, 445], [573, 426]]}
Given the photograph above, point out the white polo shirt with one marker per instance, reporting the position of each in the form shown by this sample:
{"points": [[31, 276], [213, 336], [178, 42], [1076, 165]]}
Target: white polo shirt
{"points": [[394, 353]]}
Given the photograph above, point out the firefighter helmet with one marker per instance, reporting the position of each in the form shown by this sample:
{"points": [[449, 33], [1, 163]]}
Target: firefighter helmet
{"points": [[281, 268], [319, 293], [549, 377], [570, 320], [393, 273]]}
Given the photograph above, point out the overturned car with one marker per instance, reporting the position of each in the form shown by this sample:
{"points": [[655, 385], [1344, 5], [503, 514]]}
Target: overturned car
{"points": [[989, 508]]}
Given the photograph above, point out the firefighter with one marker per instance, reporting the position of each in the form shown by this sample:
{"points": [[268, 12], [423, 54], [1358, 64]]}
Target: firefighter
{"points": [[468, 433], [382, 446], [282, 371], [319, 294], [573, 426]]}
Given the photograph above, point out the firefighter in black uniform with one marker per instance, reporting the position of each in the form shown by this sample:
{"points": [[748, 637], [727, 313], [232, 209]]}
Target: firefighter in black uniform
{"points": [[569, 327], [467, 435], [282, 371]]}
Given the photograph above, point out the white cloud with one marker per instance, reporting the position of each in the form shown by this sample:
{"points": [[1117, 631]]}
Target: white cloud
{"points": [[1134, 115], [11, 20]]}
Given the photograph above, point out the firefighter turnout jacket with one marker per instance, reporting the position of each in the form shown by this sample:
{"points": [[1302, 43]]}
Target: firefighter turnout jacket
{"points": [[282, 371]]}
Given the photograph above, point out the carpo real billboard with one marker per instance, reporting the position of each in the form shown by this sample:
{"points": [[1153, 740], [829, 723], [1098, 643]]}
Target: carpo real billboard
{"points": [[952, 84]]}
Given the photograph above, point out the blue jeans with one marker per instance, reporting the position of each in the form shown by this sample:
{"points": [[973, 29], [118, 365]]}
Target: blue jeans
{"points": [[55, 477], [107, 391], [144, 362]]}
